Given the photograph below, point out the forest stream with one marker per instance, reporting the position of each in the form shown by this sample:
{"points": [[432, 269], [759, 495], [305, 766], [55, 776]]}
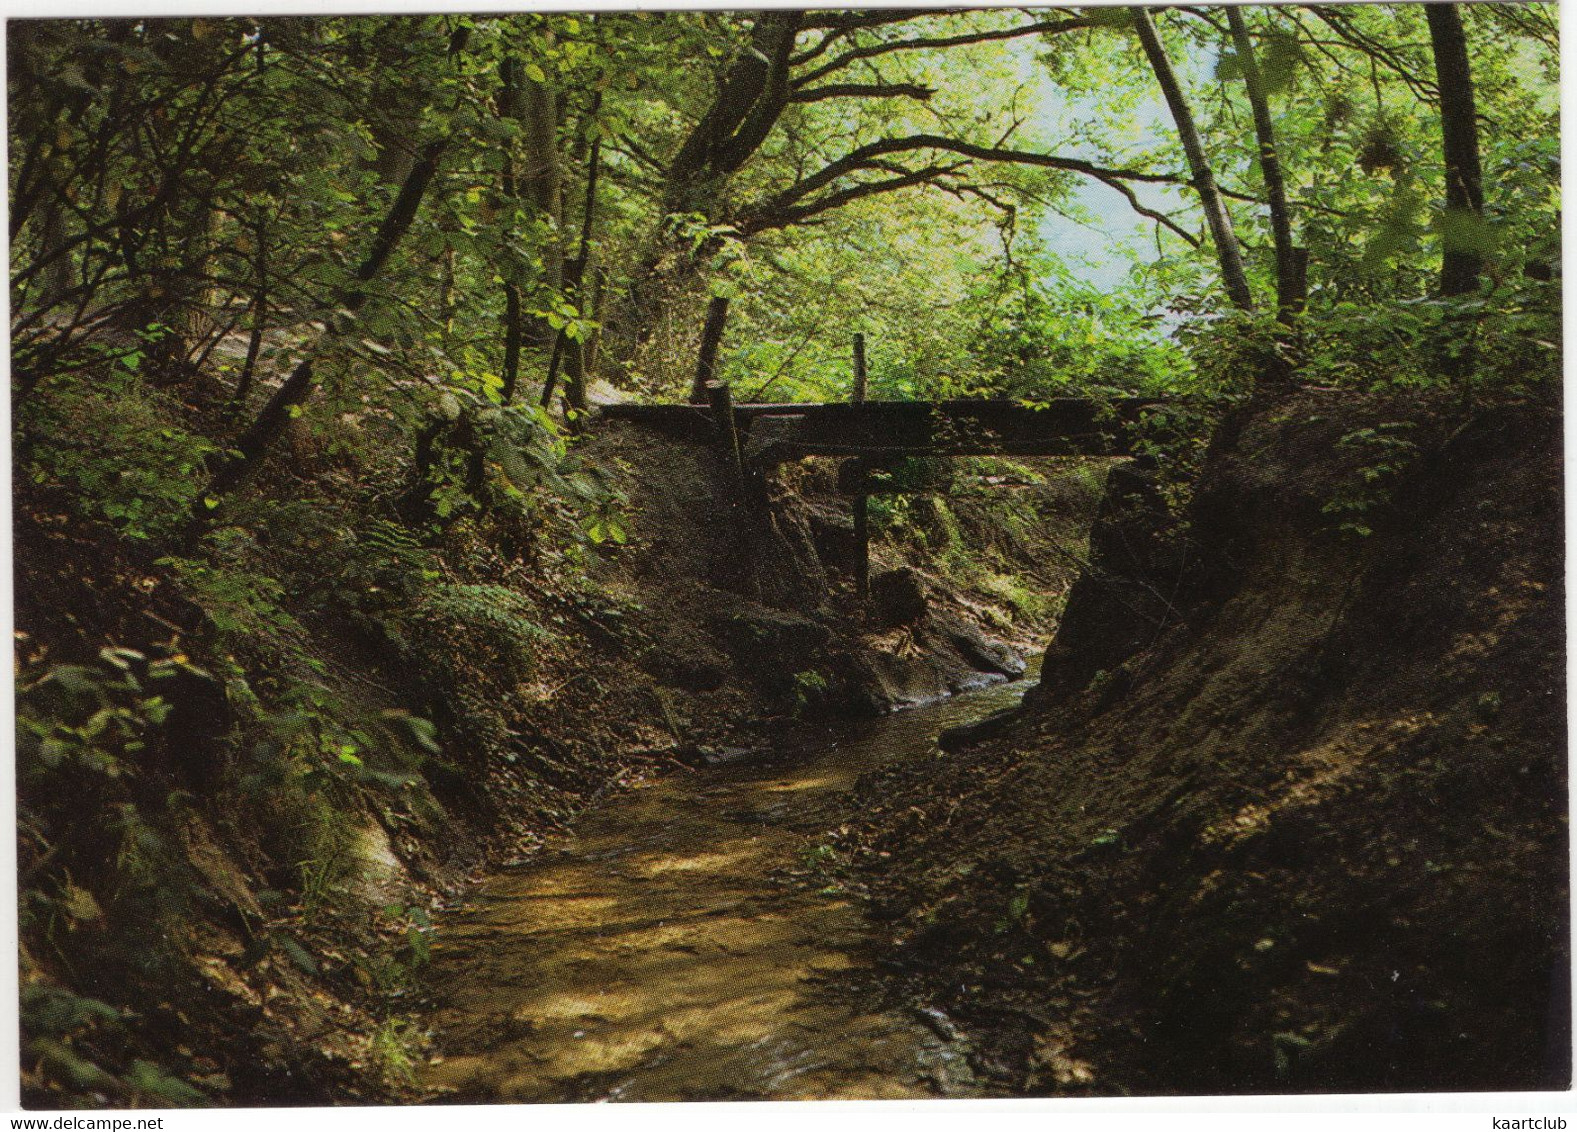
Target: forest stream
{"points": [[670, 947]]}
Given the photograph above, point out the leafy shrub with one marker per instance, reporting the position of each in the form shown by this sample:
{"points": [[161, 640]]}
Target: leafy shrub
{"points": [[494, 626], [1383, 451], [1505, 340], [60, 1031], [240, 604], [120, 452]]}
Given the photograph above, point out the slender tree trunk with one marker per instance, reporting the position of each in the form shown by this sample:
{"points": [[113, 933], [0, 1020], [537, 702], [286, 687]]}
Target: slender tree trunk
{"points": [[1290, 279], [1459, 130], [551, 382], [513, 327], [254, 346], [55, 280], [201, 317], [593, 348], [514, 323], [574, 374], [575, 368], [1233, 275], [541, 181]]}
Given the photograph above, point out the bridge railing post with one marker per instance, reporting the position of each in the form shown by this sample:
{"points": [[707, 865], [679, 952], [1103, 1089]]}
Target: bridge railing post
{"points": [[711, 339], [859, 368]]}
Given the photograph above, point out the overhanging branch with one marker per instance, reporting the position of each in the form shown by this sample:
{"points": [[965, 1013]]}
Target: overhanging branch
{"points": [[863, 90], [799, 214], [865, 157], [799, 202]]}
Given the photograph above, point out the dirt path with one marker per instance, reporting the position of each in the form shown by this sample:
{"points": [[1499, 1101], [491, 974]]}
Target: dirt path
{"points": [[663, 951]]}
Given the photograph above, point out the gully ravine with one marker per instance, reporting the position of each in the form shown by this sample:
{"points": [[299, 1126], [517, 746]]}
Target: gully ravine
{"points": [[670, 948]]}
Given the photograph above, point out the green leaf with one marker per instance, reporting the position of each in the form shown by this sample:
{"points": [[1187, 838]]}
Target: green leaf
{"points": [[1463, 230], [298, 955]]}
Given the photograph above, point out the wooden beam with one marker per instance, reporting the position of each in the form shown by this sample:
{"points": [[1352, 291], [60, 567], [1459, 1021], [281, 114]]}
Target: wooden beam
{"points": [[859, 368], [1068, 426]]}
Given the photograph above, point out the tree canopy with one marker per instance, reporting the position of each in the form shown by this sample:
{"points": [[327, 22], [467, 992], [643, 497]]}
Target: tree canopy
{"points": [[197, 178]]}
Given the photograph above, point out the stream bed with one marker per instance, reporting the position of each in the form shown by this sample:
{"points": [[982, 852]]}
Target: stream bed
{"points": [[669, 947]]}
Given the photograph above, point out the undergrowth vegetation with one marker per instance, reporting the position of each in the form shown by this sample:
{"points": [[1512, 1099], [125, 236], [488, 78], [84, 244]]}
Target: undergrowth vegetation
{"points": [[291, 676]]}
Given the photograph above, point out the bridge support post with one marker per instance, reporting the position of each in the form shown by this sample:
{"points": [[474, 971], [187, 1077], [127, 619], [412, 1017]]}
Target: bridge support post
{"points": [[862, 502], [721, 400], [862, 543], [726, 437]]}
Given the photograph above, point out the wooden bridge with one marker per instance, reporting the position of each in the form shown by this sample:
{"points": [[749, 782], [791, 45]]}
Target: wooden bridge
{"points": [[872, 436]]}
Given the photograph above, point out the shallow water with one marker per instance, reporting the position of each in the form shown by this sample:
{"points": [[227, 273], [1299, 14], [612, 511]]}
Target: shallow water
{"points": [[663, 950]]}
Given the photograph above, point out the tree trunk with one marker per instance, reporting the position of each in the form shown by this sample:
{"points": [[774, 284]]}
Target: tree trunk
{"points": [[1232, 274], [749, 102], [1459, 130], [593, 348], [55, 280], [574, 373], [1290, 279], [574, 349], [514, 318], [541, 181], [254, 345], [513, 328]]}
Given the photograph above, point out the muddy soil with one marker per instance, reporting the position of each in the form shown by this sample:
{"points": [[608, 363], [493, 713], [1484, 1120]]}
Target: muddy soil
{"points": [[686, 942]]}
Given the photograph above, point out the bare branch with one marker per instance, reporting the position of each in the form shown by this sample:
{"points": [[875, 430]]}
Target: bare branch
{"points": [[1144, 210], [624, 144], [1357, 40], [850, 21], [865, 157], [785, 217], [792, 206], [863, 90]]}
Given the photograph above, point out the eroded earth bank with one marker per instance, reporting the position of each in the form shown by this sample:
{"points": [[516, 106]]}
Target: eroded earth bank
{"points": [[1288, 810]]}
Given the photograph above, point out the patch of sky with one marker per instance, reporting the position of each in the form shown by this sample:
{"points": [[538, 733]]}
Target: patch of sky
{"points": [[1095, 230]]}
